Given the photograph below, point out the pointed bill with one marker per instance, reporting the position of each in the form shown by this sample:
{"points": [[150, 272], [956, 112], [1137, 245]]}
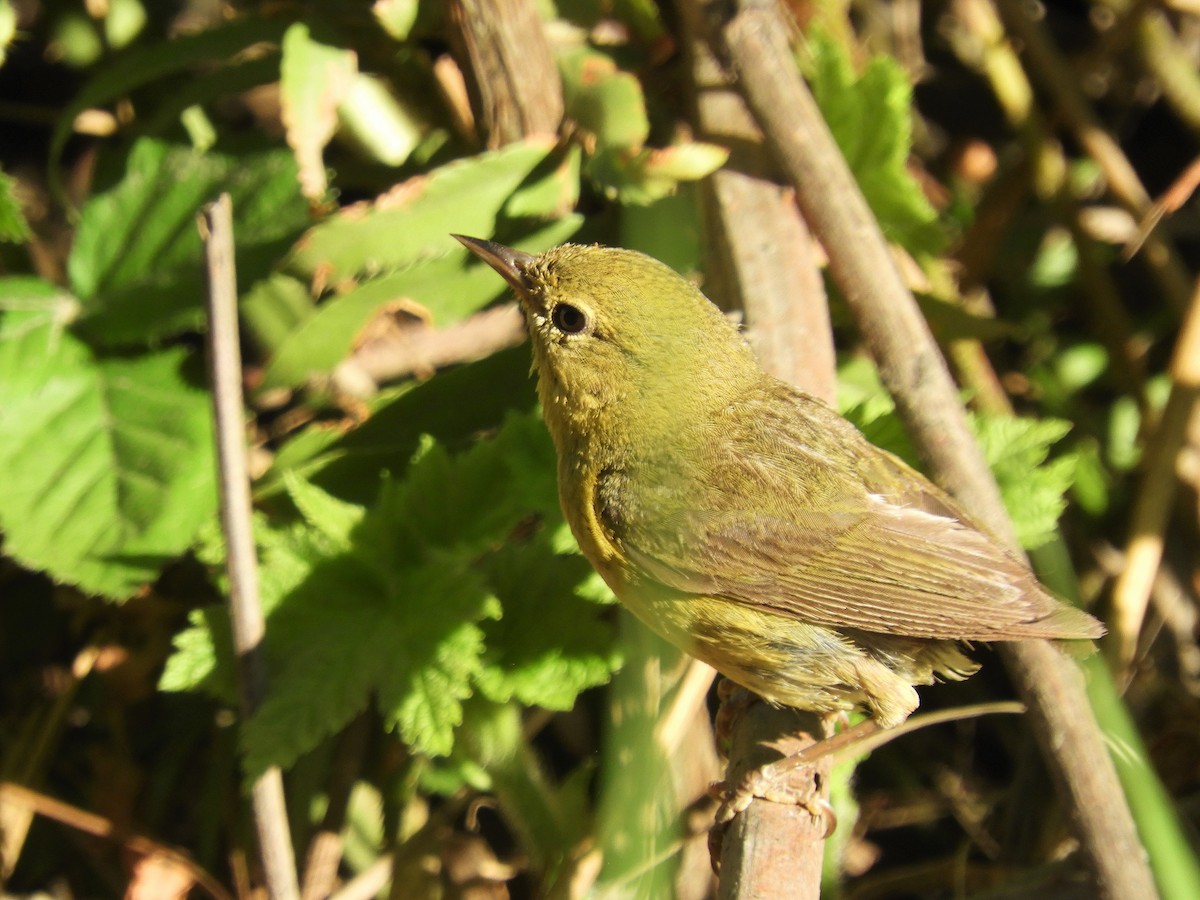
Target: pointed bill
{"points": [[509, 262]]}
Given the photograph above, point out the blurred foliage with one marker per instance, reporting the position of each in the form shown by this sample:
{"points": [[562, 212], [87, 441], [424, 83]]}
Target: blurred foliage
{"points": [[441, 658]]}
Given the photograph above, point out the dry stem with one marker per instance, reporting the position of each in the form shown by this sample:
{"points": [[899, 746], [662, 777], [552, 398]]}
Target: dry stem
{"points": [[245, 610]]}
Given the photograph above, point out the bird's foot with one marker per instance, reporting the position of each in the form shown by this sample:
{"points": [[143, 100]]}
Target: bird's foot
{"points": [[778, 782]]}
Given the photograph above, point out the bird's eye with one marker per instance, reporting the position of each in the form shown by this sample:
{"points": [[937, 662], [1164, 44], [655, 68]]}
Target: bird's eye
{"points": [[568, 319]]}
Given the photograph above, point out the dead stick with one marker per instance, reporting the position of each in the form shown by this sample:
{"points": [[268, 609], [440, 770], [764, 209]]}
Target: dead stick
{"points": [[1147, 533], [245, 610], [927, 398], [509, 67], [102, 827]]}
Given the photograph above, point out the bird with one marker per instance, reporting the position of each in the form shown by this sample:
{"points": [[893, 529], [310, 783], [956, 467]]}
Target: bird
{"points": [[743, 520]]}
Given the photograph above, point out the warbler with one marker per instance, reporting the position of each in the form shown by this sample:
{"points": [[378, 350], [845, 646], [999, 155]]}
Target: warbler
{"points": [[743, 520]]}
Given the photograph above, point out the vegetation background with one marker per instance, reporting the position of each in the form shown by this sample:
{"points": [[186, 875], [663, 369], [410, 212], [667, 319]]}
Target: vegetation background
{"points": [[457, 705]]}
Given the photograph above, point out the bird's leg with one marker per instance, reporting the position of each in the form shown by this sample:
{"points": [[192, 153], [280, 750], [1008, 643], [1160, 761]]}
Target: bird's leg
{"points": [[775, 753]]}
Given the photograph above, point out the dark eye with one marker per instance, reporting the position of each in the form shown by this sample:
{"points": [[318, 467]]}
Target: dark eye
{"points": [[568, 319]]}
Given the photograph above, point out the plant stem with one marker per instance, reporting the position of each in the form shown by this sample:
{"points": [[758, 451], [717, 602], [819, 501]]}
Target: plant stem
{"points": [[245, 609]]}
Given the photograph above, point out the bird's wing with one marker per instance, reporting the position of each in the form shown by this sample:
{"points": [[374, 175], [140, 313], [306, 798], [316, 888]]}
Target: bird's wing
{"points": [[843, 555]]}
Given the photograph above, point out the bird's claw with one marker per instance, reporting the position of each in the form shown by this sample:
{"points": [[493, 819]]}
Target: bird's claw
{"points": [[768, 783]]}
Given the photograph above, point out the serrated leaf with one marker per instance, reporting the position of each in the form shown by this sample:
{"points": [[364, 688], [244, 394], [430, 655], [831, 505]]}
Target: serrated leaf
{"points": [[412, 221], [108, 461], [453, 499], [870, 117], [454, 406], [1032, 488], [333, 518], [364, 621], [550, 644], [202, 657], [315, 76], [393, 607], [137, 263]]}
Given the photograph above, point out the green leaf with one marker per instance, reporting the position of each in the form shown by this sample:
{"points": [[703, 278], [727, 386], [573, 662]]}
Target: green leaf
{"points": [[454, 406], [389, 601], [604, 101], [345, 632], [651, 174], [395, 612], [137, 263], [1016, 449], [153, 65], [108, 460], [333, 518], [551, 643], [383, 126], [1032, 488], [1057, 261], [203, 659], [412, 222], [274, 308], [397, 17], [315, 76], [870, 117], [8, 27], [13, 226], [444, 289], [453, 500]]}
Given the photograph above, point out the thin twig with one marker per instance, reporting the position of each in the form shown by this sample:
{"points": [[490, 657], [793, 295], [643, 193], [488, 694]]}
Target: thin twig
{"points": [[101, 827], [1131, 593], [245, 610], [421, 351], [927, 398]]}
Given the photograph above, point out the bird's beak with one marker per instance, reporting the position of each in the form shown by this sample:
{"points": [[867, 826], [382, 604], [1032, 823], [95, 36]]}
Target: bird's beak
{"points": [[508, 262]]}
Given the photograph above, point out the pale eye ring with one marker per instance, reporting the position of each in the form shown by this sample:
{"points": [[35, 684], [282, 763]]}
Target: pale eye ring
{"points": [[568, 319]]}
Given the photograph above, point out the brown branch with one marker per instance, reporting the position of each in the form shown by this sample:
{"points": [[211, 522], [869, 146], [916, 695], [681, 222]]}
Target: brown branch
{"points": [[762, 259], [775, 849], [926, 396], [510, 71], [245, 609], [420, 351]]}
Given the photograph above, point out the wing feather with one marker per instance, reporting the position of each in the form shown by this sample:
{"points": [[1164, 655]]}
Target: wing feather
{"points": [[879, 552]]}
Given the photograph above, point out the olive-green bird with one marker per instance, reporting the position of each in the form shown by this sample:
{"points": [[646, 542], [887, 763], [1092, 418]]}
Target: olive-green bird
{"points": [[747, 522]]}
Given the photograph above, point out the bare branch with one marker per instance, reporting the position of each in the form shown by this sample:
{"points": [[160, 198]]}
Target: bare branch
{"points": [[245, 610]]}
